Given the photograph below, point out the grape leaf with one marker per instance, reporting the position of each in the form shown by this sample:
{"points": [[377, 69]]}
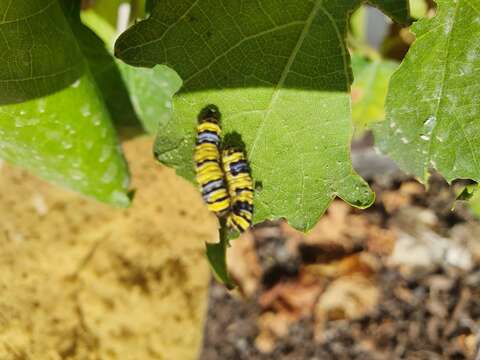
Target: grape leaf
{"points": [[100, 26], [38, 52], [433, 104], [279, 72], [66, 137]]}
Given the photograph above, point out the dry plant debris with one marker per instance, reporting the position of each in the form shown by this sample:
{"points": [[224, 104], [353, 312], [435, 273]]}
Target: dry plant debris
{"points": [[400, 280]]}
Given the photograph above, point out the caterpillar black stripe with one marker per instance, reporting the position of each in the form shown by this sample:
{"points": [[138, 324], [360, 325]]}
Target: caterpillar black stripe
{"points": [[209, 173], [240, 189]]}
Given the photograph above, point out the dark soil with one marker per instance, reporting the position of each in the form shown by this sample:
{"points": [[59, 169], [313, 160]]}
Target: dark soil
{"points": [[424, 326]]}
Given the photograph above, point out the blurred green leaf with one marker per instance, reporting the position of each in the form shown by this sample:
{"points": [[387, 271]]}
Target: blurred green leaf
{"points": [[100, 26], [418, 8], [150, 89], [66, 137], [38, 52], [107, 9], [369, 89], [473, 200], [358, 25], [103, 67]]}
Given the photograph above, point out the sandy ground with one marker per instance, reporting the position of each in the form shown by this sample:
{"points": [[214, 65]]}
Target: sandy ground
{"points": [[81, 280]]}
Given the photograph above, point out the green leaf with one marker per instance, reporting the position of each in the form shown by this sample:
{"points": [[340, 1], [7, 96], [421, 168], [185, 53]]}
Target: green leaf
{"points": [[369, 89], [103, 67], [418, 8], [472, 194], [358, 26], [468, 192], [100, 26], [151, 91], [279, 73], [67, 137], [107, 9], [38, 52], [433, 104]]}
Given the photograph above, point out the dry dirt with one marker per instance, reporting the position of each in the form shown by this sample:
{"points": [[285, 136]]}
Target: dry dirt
{"points": [[82, 280]]}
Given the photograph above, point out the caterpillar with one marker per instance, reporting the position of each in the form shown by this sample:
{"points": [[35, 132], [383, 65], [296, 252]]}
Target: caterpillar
{"points": [[209, 173], [240, 189]]}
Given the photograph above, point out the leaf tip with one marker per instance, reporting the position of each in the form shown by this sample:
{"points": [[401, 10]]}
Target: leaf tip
{"points": [[356, 192]]}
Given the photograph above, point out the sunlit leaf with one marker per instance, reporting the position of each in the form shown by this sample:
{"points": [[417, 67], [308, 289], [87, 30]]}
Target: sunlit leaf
{"points": [[280, 74], [433, 104], [66, 137]]}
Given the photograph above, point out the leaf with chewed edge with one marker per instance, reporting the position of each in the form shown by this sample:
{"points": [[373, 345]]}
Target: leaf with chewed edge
{"points": [[279, 72]]}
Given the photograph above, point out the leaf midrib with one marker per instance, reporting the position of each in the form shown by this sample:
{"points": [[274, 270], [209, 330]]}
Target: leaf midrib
{"points": [[286, 70], [316, 8], [248, 38], [47, 6]]}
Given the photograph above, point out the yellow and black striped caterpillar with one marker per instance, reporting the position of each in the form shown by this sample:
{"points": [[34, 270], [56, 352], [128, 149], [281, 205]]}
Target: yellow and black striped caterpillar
{"points": [[208, 167], [240, 189], [223, 176]]}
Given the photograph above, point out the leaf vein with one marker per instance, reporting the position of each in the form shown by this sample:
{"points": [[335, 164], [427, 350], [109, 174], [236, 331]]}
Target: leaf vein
{"points": [[37, 77], [279, 86], [50, 4], [341, 41], [285, 72], [248, 38], [172, 25]]}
